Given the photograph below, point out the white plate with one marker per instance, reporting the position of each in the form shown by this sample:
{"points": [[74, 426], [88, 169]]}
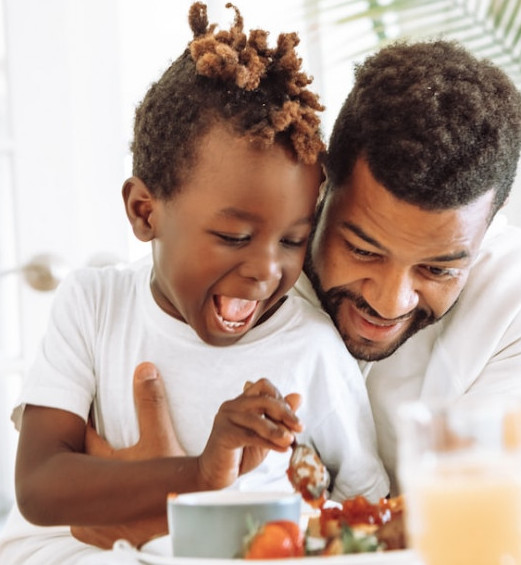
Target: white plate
{"points": [[154, 554]]}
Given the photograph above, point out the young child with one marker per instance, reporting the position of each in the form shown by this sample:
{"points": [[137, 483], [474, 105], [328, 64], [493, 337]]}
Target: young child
{"points": [[226, 175]]}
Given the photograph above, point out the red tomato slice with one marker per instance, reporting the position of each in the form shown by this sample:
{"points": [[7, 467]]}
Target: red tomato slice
{"points": [[275, 540]]}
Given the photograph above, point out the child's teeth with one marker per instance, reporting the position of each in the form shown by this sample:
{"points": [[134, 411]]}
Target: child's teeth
{"points": [[229, 323]]}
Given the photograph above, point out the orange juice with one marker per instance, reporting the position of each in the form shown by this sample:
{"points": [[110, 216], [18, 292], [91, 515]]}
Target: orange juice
{"points": [[466, 513]]}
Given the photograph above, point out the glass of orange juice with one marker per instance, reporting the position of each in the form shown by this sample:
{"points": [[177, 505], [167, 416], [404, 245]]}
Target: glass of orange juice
{"points": [[460, 472]]}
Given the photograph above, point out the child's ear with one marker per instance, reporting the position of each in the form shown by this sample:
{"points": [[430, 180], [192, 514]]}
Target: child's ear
{"points": [[139, 205]]}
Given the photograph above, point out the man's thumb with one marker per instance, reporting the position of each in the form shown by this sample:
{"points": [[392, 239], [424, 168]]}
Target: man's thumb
{"points": [[150, 399], [155, 422], [145, 372]]}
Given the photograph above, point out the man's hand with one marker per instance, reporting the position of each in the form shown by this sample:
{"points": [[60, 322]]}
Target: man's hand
{"points": [[157, 438], [137, 533]]}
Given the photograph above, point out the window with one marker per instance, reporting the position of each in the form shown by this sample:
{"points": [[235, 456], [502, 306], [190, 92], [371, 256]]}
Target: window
{"points": [[9, 298], [10, 335]]}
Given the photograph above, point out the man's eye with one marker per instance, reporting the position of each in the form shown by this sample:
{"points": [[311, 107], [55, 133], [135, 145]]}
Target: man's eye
{"points": [[438, 272], [362, 253]]}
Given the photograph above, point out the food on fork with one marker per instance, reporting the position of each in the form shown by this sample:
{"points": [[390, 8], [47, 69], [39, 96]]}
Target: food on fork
{"points": [[308, 474]]}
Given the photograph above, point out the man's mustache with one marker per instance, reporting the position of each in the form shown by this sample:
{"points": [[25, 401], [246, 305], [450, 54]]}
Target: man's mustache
{"points": [[334, 297]]}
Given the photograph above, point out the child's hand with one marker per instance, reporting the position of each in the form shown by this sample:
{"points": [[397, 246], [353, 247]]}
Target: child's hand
{"points": [[245, 429]]}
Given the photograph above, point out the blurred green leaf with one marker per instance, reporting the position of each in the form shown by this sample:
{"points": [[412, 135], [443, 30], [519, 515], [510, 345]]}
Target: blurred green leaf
{"points": [[488, 28]]}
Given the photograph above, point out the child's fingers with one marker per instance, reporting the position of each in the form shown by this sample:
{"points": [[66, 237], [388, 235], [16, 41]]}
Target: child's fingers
{"points": [[261, 421], [263, 387], [294, 400], [248, 429], [279, 409]]}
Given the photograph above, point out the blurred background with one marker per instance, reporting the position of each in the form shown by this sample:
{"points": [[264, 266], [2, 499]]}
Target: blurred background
{"points": [[71, 74]]}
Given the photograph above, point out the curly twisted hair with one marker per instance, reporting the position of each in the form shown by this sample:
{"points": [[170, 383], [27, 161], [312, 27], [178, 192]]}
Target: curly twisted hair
{"points": [[226, 77], [437, 126]]}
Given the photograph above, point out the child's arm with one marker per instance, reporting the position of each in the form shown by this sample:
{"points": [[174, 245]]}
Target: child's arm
{"points": [[57, 483], [156, 438]]}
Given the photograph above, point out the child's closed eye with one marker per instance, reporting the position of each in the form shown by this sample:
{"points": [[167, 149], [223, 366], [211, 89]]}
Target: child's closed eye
{"points": [[233, 240], [288, 242]]}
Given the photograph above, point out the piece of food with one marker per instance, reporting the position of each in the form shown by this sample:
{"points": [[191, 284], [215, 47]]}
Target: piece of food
{"points": [[358, 526], [383, 520], [391, 535], [308, 474], [275, 540], [351, 541]]}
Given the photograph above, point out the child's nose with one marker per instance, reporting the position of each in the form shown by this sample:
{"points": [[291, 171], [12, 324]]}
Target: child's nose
{"points": [[262, 266]]}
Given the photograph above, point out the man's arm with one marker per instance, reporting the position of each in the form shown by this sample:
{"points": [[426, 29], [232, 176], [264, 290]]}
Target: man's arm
{"points": [[157, 438]]}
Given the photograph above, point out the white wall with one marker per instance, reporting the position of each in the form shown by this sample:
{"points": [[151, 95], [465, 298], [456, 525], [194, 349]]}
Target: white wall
{"points": [[68, 136], [68, 160]]}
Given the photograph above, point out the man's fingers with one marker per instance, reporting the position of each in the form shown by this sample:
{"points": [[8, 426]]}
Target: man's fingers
{"points": [[95, 444], [150, 400], [155, 423], [137, 533]]}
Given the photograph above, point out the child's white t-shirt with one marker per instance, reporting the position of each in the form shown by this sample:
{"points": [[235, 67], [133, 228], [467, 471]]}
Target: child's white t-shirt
{"points": [[105, 322]]}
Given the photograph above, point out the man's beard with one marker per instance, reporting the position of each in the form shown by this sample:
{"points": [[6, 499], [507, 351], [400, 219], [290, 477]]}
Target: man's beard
{"points": [[365, 350], [332, 300]]}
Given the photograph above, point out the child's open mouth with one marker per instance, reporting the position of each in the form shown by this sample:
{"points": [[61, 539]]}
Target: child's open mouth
{"points": [[234, 313]]}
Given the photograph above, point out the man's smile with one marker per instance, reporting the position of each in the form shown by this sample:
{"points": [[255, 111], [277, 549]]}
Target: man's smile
{"points": [[373, 328]]}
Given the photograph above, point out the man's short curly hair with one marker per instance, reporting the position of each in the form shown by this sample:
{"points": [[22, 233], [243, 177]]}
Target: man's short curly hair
{"points": [[227, 77], [437, 126]]}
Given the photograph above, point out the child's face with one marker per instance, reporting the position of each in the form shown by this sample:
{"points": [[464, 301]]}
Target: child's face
{"points": [[230, 245]]}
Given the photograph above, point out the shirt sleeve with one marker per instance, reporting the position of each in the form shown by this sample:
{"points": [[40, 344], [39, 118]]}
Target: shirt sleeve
{"points": [[62, 374], [501, 375]]}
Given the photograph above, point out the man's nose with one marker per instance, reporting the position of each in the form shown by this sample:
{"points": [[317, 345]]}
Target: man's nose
{"points": [[393, 294], [263, 265]]}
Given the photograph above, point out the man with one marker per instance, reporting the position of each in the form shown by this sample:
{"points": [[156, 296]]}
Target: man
{"points": [[421, 278], [408, 257]]}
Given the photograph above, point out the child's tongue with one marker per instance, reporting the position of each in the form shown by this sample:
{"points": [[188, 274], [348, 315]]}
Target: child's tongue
{"points": [[234, 309]]}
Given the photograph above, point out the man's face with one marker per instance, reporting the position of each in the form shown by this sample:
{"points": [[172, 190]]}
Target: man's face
{"points": [[383, 268]]}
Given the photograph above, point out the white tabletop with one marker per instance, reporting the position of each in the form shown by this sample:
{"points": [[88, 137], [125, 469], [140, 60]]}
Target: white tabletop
{"points": [[158, 552]]}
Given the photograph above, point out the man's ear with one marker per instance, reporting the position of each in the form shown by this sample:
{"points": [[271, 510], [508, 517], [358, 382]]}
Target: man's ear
{"points": [[139, 206]]}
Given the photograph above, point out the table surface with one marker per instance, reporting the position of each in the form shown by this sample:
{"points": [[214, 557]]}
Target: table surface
{"points": [[157, 553]]}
